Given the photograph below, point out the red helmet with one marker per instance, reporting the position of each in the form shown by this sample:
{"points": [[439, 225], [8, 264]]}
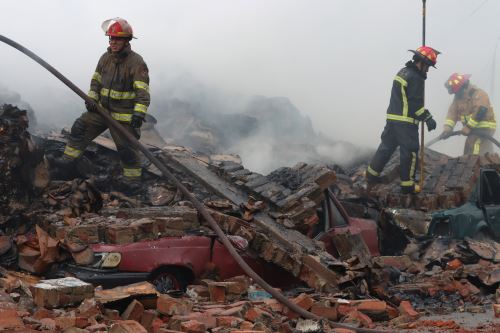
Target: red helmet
{"points": [[117, 27], [427, 54], [456, 82]]}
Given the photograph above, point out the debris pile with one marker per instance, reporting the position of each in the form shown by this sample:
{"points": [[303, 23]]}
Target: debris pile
{"points": [[81, 235], [22, 164]]}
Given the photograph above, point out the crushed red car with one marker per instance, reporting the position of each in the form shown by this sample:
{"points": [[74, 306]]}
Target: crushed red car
{"points": [[172, 263]]}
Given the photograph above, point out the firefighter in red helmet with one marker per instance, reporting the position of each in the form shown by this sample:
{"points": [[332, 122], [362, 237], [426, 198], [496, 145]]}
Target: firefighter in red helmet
{"points": [[471, 106], [120, 84], [405, 111]]}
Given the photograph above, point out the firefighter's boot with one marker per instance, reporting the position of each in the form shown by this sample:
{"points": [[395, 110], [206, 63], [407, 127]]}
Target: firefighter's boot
{"points": [[415, 189], [129, 186]]}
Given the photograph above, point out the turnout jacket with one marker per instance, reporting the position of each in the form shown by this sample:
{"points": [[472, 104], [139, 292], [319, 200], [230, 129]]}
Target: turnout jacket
{"points": [[407, 96], [121, 84], [465, 109]]}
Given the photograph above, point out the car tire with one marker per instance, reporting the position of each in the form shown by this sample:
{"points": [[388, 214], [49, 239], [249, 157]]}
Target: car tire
{"points": [[169, 279]]}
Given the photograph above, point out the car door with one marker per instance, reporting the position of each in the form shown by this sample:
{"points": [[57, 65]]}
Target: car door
{"points": [[490, 200]]}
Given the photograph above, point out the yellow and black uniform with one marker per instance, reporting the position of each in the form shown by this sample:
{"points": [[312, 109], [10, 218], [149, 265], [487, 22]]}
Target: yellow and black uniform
{"points": [[121, 85], [405, 111], [473, 109]]}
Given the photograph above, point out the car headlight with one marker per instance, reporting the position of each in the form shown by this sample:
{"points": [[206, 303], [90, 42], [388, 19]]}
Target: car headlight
{"points": [[108, 259]]}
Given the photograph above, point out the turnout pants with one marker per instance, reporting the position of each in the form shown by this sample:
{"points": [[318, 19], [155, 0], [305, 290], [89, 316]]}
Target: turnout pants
{"points": [[88, 127], [406, 137], [475, 145]]}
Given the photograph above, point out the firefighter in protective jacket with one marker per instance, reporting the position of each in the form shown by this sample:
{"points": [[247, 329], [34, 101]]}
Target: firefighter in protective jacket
{"points": [[405, 111], [120, 84], [471, 106]]}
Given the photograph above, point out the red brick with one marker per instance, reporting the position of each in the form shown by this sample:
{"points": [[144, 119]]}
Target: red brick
{"points": [[10, 319], [156, 325], [344, 309], [148, 317], [274, 305], [119, 234], [237, 311], [133, 311], [217, 293], [127, 326], [172, 306], [193, 326], [406, 308], [197, 291], [357, 317], [328, 312], [392, 312], [61, 292], [303, 301], [43, 313], [228, 321], [89, 308], [205, 318], [253, 313], [240, 285], [65, 322]]}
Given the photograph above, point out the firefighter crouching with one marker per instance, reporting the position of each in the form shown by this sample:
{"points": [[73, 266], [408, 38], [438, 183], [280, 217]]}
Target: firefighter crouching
{"points": [[120, 84], [471, 106], [405, 111]]}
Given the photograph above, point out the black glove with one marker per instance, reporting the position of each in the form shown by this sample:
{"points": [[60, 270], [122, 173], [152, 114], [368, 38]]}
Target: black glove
{"points": [[136, 121], [481, 113], [431, 124], [91, 107]]}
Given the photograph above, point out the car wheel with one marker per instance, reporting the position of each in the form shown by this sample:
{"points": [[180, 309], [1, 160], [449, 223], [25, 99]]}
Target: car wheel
{"points": [[168, 280]]}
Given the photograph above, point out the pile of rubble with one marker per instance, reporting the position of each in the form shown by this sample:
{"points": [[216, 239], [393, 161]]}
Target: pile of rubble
{"points": [[48, 225]]}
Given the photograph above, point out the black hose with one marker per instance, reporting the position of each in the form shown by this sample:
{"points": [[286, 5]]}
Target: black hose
{"points": [[113, 123]]}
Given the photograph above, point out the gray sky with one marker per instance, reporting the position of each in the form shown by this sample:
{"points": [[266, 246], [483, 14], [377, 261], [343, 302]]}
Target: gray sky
{"points": [[334, 59]]}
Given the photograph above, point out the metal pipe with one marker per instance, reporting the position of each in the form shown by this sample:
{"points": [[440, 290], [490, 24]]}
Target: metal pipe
{"points": [[112, 122], [422, 129]]}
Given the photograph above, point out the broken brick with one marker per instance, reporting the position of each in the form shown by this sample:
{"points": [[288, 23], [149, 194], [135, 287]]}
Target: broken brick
{"points": [[61, 292], [9, 319], [148, 317], [217, 292], [127, 326], [228, 321], [133, 311], [303, 301], [328, 312], [406, 308], [193, 326], [171, 306]]}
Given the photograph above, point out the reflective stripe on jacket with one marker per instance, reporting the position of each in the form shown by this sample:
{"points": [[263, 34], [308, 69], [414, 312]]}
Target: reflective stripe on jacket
{"points": [[121, 84], [465, 108], [407, 96]]}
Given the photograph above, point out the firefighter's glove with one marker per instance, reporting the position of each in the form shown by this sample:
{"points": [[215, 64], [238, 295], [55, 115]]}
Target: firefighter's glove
{"points": [[481, 113], [431, 124], [91, 107], [136, 121]]}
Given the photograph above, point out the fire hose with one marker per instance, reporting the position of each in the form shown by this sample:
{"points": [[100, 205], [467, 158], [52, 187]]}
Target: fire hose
{"points": [[455, 133], [198, 205]]}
